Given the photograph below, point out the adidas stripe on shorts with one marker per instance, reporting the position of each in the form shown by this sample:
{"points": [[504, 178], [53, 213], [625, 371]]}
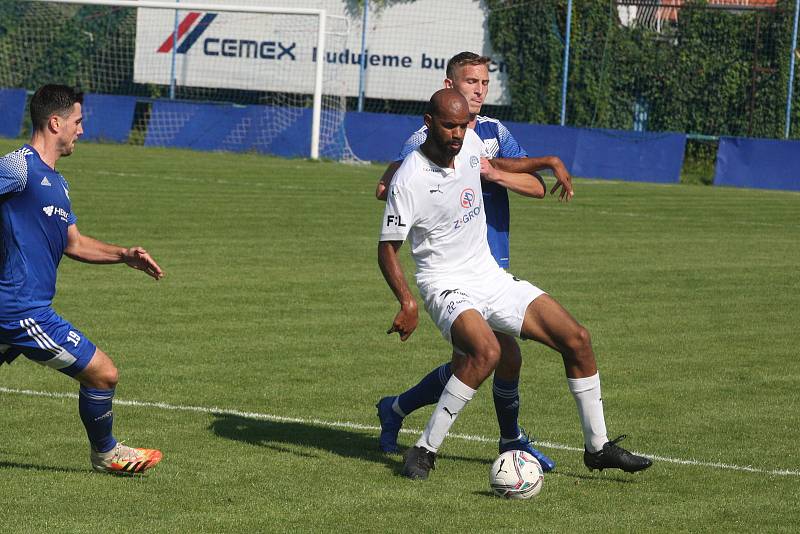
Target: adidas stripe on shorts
{"points": [[47, 339]]}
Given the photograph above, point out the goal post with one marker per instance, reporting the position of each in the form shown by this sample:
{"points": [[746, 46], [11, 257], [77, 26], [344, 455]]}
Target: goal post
{"points": [[198, 52]]}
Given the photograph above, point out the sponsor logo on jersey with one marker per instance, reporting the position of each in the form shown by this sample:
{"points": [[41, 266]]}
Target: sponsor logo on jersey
{"points": [[467, 217], [223, 46], [394, 220], [55, 210], [437, 190], [473, 161], [45, 182], [467, 198]]}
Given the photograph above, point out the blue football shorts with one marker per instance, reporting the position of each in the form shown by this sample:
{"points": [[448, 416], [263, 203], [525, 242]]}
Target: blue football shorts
{"points": [[47, 339]]}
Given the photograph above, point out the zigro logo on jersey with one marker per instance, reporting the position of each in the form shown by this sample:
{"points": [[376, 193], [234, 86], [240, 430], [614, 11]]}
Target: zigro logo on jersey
{"points": [[223, 46], [467, 201], [467, 198]]}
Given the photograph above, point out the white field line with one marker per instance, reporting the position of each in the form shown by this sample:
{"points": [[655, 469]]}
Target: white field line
{"points": [[358, 426]]}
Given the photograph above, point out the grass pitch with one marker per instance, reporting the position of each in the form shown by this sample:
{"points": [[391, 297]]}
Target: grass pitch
{"points": [[271, 324]]}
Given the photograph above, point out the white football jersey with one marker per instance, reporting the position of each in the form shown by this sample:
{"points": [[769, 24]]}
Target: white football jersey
{"points": [[440, 211]]}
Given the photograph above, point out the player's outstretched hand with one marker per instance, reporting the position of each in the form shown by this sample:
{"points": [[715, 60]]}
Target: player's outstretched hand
{"points": [[405, 322], [139, 259], [564, 181]]}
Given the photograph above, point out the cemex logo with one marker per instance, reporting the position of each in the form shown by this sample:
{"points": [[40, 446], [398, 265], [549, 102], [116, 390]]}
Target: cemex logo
{"points": [[223, 46], [187, 22]]}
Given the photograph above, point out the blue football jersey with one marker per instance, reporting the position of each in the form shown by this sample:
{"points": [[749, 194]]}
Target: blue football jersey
{"points": [[498, 143], [35, 212]]}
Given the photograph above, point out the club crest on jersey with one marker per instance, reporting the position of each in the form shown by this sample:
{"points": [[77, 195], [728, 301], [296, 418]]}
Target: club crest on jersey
{"points": [[473, 161], [467, 198]]}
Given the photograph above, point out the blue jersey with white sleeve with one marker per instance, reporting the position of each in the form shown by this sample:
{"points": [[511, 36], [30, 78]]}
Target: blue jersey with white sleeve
{"points": [[35, 212], [498, 143]]}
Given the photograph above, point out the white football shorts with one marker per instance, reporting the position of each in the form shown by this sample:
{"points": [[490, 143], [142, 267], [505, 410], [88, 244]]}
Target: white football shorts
{"points": [[500, 297]]}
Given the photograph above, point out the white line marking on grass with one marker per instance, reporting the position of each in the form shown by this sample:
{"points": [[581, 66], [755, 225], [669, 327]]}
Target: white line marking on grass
{"points": [[358, 426]]}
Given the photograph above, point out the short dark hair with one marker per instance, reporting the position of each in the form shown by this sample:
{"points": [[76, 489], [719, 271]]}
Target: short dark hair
{"points": [[465, 58], [52, 100]]}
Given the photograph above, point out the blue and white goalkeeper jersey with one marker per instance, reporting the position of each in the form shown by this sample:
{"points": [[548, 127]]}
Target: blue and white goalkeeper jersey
{"points": [[35, 212], [498, 143]]}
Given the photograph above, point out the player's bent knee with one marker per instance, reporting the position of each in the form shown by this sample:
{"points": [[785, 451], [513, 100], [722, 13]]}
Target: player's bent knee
{"points": [[100, 373], [111, 377], [580, 341], [487, 355], [104, 379]]}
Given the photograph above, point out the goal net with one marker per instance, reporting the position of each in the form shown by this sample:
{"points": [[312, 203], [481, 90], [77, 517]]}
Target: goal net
{"points": [[181, 63]]}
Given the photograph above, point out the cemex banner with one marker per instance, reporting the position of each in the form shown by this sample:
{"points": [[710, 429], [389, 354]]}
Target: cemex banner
{"points": [[408, 45]]}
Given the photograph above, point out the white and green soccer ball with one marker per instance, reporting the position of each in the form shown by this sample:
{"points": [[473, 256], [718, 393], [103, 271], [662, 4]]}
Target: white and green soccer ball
{"points": [[516, 475]]}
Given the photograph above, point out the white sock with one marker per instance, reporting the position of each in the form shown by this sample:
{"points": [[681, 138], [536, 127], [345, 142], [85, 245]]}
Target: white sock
{"points": [[454, 398], [590, 410]]}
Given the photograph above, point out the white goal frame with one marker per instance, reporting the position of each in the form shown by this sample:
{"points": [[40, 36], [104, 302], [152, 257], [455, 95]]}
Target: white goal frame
{"points": [[178, 6]]}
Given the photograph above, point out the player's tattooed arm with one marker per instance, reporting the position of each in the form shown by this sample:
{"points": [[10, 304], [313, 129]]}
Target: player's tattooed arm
{"points": [[405, 322], [530, 165], [525, 184], [386, 180]]}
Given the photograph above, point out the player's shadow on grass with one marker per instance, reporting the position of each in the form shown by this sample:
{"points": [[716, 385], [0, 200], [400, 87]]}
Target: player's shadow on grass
{"points": [[286, 436], [40, 467]]}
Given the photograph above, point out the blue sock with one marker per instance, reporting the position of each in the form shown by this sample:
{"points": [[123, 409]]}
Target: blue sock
{"points": [[94, 406], [427, 391], [506, 405]]}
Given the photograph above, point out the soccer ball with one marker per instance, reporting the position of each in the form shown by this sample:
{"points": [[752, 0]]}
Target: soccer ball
{"points": [[516, 475]]}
